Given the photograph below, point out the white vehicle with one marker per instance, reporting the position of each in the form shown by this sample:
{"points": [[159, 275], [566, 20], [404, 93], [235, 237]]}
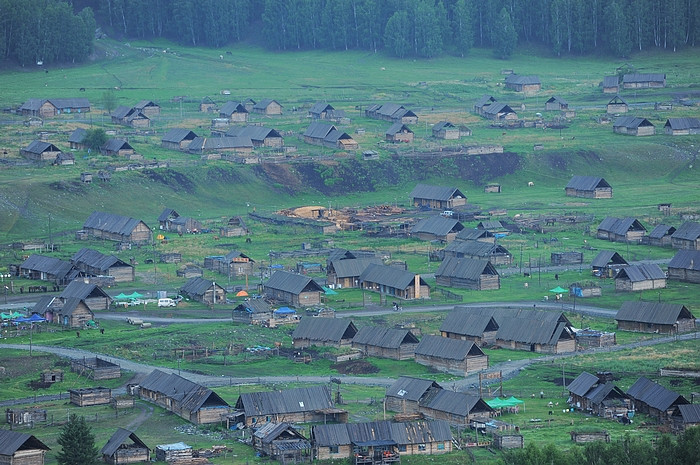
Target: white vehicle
{"points": [[167, 302], [447, 213]]}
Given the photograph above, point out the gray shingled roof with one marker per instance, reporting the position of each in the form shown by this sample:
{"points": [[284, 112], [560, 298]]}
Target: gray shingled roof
{"points": [[167, 213], [557, 99], [497, 107], [582, 384], [388, 276], [350, 267], [586, 183], [380, 336], [465, 321], [12, 441], [409, 388], [442, 347], [230, 108], [71, 102], [485, 100], [631, 122], [522, 80], [611, 81], [682, 123], [455, 403], [190, 396], [396, 128], [198, 286], [442, 193], [324, 329], [661, 230], [177, 135], [96, 259], [473, 234], [114, 145], [122, 111], [108, 222], [437, 225], [378, 433], [81, 290], [146, 103], [654, 395], [689, 231], [255, 133], [465, 268], [608, 257], [617, 100], [118, 438], [600, 392], [200, 143], [254, 306], [643, 77], [39, 146], [50, 265], [319, 107], [77, 136], [264, 103], [690, 413], [532, 326], [292, 283], [318, 130], [306, 399], [641, 272], [686, 259], [439, 126], [620, 226], [475, 248], [653, 312]]}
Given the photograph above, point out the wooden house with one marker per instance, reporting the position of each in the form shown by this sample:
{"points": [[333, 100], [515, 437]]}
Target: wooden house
{"points": [[93, 295], [39, 150], [467, 273], [525, 84], [205, 291], [621, 229], [483, 102], [221, 145], [643, 80], [300, 405], [21, 449], [189, 271], [319, 110], [235, 227], [633, 126], [655, 317], [148, 108], [125, 447], [446, 130], [455, 356], [404, 396], [207, 105], [86, 177], [597, 396], [399, 132], [607, 264], [267, 107], [682, 126], [500, 112], [380, 442], [556, 103], [394, 282], [64, 159], [235, 112], [95, 368], [193, 402], [94, 263], [493, 226], [331, 332], [582, 437], [437, 197], [505, 440], [494, 253], [346, 273], [685, 416], [259, 135], [50, 376], [468, 325], [589, 187], [117, 148], [391, 112], [655, 400], [90, 396], [327, 135], [379, 341], [589, 338], [47, 108], [72, 312], [24, 416], [41, 267], [480, 235], [294, 289], [174, 453], [437, 228], [252, 311], [611, 84], [687, 236], [616, 105], [130, 116], [281, 442], [532, 330], [640, 277], [454, 407], [177, 139], [685, 266], [233, 264], [660, 236], [566, 258]]}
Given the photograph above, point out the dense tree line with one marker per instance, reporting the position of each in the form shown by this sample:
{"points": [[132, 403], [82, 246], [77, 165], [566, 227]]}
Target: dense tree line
{"points": [[45, 31]]}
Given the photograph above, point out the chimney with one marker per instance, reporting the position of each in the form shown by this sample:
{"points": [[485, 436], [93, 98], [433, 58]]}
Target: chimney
{"points": [[416, 283]]}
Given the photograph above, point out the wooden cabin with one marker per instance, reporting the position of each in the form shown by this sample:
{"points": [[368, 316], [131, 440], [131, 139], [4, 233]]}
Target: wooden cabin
{"points": [[467, 273], [177, 139], [205, 291], [267, 107], [660, 236], [332, 332], [482, 103], [499, 111], [633, 126], [589, 187], [640, 277], [259, 135], [73, 313], [685, 416], [379, 341], [234, 112], [38, 150], [90, 396], [685, 266], [566, 258], [591, 394], [174, 453], [611, 84], [281, 442], [95, 368], [437, 197], [455, 356], [643, 81], [294, 289], [393, 112], [655, 400], [345, 273], [607, 264], [470, 325], [94, 263], [399, 132], [525, 84], [125, 446], [682, 126], [533, 330], [21, 449], [92, 294], [616, 105], [556, 103], [655, 317], [394, 282], [405, 394], [437, 228], [687, 236], [494, 253], [621, 229], [454, 407], [252, 311], [111, 227]]}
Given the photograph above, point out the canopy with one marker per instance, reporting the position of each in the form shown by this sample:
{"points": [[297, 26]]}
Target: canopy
{"points": [[121, 296], [558, 290], [134, 295], [241, 294], [285, 311], [514, 401], [11, 315], [497, 402], [35, 318], [329, 291]]}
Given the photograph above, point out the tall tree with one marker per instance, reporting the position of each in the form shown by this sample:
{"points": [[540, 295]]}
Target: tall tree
{"points": [[462, 26], [77, 443], [503, 36], [397, 34], [617, 30]]}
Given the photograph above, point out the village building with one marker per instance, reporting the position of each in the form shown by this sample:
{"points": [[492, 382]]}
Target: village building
{"points": [[234, 264], [77, 139], [399, 132], [437, 197], [28, 416], [455, 356], [319, 110], [499, 112], [687, 236], [177, 139], [391, 112], [345, 273], [117, 148], [221, 145], [125, 447], [71, 312], [189, 271], [655, 317], [685, 416], [94, 263], [474, 234], [454, 407], [252, 311], [380, 442], [405, 395], [685, 266], [111, 227], [207, 105], [300, 405], [590, 187], [193, 402], [43, 268], [467, 273], [655, 400], [170, 220], [174, 453], [95, 368], [64, 159], [327, 135], [267, 107], [205, 291], [449, 131], [633, 126], [130, 116], [39, 150], [234, 112], [589, 338], [640, 277], [92, 294], [469, 325], [495, 227], [47, 108], [621, 229], [643, 80], [682, 126], [611, 84], [607, 264], [437, 228], [86, 397], [616, 105], [235, 227], [494, 253], [597, 396], [281, 442], [556, 103], [566, 258], [21, 449], [660, 236], [483, 102], [526, 84], [394, 282], [148, 108], [259, 135], [294, 289], [331, 332], [379, 341]]}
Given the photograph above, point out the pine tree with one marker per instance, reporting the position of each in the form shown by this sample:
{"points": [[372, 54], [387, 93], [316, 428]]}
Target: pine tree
{"points": [[77, 443]]}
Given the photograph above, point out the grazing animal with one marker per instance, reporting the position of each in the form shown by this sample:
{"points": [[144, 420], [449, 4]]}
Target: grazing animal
{"points": [[530, 184]]}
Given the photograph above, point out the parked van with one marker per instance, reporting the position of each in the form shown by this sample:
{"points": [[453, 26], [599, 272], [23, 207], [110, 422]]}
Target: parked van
{"points": [[167, 302]]}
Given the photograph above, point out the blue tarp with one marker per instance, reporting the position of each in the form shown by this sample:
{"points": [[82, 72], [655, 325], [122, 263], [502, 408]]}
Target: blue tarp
{"points": [[35, 318], [285, 311]]}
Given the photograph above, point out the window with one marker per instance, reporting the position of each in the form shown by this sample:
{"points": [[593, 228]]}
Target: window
{"points": [[441, 446], [402, 447], [421, 447], [334, 449]]}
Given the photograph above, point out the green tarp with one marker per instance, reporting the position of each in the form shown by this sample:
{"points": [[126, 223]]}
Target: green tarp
{"points": [[558, 290], [329, 291], [497, 402]]}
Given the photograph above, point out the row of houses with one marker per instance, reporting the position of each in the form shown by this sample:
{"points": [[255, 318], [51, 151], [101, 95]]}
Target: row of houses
{"points": [[84, 263], [630, 229]]}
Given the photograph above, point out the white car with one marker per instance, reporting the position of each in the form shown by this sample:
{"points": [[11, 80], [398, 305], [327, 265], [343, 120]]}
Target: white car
{"points": [[166, 303]]}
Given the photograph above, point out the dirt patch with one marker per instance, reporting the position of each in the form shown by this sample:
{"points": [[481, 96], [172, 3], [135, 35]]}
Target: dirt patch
{"points": [[171, 178], [355, 367], [281, 175]]}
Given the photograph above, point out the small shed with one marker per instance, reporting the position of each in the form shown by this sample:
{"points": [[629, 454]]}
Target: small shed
{"points": [[655, 317], [504, 440], [483, 102], [332, 332], [95, 368], [607, 264], [459, 357], [77, 138], [399, 132], [685, 266], [640, 277], [446, 130], [281, 442], [21, 449], [467, 273], [590, 187], [616, 105], [687, 236], [492, 188], [556, 103], [86, 177], [633, 126], [682, 126], [125, 447], [611, 84], [90, 396], [252, 311], [379, 341], [173, 452], [207, 105]]}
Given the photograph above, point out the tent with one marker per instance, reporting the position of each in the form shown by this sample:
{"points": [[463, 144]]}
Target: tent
{"points": [[329, 291], [241, 294], [121, 296], [497, 402], [11, 315], [35, 318], [134, 295], [513, 401], [285, 311], [558, 290]]}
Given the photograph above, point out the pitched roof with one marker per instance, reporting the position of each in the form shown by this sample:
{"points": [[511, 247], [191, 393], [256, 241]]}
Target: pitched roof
{"points": [[190, 396], [39, 147], [230, 108], [264, 103], [654, 395], [454, 403], [522, 80], [200, 143], [557, 99], [687, 259], [611, 81], [689, 231], [118, 438], [532, 326], [682, 123], [350, 267], [319, 107], [388, 276], [463, 320], [641, 272], [497, 107], [306, 399], [81, 290], [473, 234], [397, 128], [485, 100], [177, 135], [71, 304], [382, 433], [96, 259], [71, 102], [439, 126], [318, 130], [443, 347], [409, 388], [324, 329], [198, 286], [12, 441], [380, 336], [608, 257], [620, 226], [291, 282], [121, 111], [114, 145], [146, 103], [254, 306], [77, 135], [109, 222], [254, 133], [268, 432], [437, 225], [690, 413], [653, 312], [617, 100], [582, 384], [661, 230], [167, 213], [465, 268], [643, 77], [631, 122], [426, 191], [33, 104], [586, 183], [50, 265], [475, 248]]}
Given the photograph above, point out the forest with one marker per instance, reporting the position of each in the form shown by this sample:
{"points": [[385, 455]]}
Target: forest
{"points": [[55, 31]]}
